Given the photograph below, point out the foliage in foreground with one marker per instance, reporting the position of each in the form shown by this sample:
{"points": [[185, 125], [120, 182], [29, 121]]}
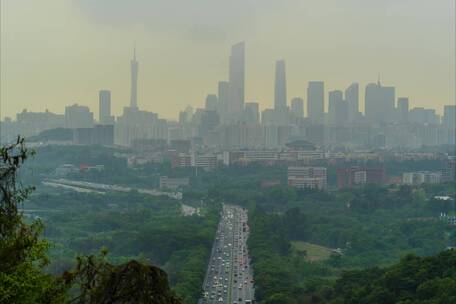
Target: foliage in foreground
{"points": [[23, 258], [413, 280]]}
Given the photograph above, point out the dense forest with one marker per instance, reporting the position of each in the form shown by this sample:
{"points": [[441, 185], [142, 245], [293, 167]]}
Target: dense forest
{"points": [[370, 227]]}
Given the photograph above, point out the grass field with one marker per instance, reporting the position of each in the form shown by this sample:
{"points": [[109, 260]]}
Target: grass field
{"points": [[315, 253]]}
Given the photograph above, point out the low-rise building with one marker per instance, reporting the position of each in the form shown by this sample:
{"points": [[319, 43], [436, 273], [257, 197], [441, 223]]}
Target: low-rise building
{"points": [[307, 177], [418, 178]]}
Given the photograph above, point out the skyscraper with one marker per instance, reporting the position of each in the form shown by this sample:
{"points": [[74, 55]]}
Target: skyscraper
{"points": [[379, 101], [280, 88], [236, 79], [104, 99], [134, 82], [402, 109], [316, 101], [297, 107], [334, 106], [352, 98]]}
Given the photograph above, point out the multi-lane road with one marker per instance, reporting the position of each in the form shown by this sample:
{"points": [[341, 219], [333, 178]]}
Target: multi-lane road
{"points": [[229, 277]]}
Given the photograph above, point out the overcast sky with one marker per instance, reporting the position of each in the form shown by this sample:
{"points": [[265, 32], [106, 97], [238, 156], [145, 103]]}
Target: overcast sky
{"points": [[58, 52]]}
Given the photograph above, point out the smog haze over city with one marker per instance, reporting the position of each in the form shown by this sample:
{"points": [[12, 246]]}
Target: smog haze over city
{"points": [[241, 151], [54, 52]]}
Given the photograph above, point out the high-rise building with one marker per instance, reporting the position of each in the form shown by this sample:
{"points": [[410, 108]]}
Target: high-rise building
{"points": [[403, 109], [379, 103], [105, 117], [77, 116], [316, 102], [297, 107], [449, 116], [334, 103], [236, 79], [252, 113], [211, 102], [352, 98], [280, 88], [134, 82]]}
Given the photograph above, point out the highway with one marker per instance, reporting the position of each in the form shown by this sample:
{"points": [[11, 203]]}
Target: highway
{"points": [[91, 187], [229, 276]]}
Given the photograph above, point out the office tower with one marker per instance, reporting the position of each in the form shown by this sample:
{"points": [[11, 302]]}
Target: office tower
{"points": [[105, 117], [77, 116], [134, 82], [402, 109], [209, 121], [297, 107], [252, 113], [449, 116], [280, 88], [352, 98], [211, 102], [334, 101], [338, 108], [236, 79], [316, 102], [379, 103]]}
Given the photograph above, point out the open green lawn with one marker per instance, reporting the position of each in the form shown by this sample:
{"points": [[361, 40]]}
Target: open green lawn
{"points": [[314, 252]]}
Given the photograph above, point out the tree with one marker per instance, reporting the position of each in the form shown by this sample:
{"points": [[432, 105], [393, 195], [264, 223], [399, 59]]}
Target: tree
{"points": [[22, 252]]}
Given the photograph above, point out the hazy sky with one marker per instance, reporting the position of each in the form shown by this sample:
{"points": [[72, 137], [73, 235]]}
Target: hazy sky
{"points": [[58, 52]]}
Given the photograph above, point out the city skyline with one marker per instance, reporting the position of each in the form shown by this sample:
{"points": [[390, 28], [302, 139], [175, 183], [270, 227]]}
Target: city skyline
{"points": [[167, 82]]}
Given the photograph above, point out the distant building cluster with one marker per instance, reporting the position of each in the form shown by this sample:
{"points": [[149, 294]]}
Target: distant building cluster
{"points": [[228, 122]]}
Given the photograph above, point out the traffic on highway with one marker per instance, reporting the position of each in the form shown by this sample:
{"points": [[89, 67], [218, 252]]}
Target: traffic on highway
{"points": [[229, 277]]}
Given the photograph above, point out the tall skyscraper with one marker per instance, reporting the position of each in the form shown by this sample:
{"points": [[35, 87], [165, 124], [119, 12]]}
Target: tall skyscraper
{"points": [[297, 107], [104, 99], [280, 88], [402, 109], [134, 82], [352, 98], [379, 101], [316, 101], [236, 79]]}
